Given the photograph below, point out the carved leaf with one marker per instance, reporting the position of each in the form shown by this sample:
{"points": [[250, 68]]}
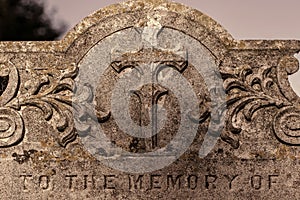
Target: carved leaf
{"points": [[55, 99], [249, 91]]}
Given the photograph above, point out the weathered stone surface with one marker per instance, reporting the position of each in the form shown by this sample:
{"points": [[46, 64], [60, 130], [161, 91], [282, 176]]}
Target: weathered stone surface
{"points": [[70, 130]]}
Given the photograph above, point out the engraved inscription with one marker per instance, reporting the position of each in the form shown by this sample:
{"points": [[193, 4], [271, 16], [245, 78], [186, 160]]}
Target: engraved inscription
{"points": [[152, 182]]}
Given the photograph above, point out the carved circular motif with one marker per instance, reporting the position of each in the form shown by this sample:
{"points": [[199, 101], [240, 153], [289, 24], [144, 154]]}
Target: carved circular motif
{"points": [[286, 126], [11, 129]]}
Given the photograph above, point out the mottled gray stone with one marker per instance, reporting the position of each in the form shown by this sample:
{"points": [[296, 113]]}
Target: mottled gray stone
{"points": [[149, 100]]}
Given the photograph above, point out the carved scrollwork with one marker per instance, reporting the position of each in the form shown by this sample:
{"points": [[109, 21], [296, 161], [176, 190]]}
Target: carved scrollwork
{"points": [[51, 96], [8, 88], [84, 111], [286, 124], [55, 98], [11, 127], [249, 91], [11, 122]]}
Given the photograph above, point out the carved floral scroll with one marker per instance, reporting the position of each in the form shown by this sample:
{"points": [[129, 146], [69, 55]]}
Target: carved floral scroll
{"points": [[250, 90], [52, 99]]}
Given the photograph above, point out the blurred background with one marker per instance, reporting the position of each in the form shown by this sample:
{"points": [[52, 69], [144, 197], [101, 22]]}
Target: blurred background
{"points": [[51, 19]]}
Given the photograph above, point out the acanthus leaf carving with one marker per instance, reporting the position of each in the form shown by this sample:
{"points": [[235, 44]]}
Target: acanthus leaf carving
{"points": [[249, 91], [55, 98], [51, 97]]}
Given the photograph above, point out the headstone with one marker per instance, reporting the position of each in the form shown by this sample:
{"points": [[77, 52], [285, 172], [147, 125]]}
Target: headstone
{"points": [[149, 100]]}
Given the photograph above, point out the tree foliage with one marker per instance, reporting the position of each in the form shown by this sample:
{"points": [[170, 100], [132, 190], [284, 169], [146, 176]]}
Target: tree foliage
{"points": [[26, 20]]}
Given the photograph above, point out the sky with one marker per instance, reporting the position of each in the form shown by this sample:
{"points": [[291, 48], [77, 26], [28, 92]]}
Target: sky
{"points": [[247, 19]]}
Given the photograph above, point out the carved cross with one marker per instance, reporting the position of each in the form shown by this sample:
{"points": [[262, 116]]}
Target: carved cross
{"points": [[148, 98], [149, 94]]}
